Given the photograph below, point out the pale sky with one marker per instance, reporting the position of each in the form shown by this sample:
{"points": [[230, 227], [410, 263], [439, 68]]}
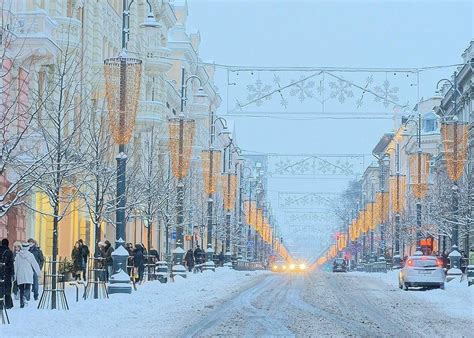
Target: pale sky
{"points": [[354, 34]]}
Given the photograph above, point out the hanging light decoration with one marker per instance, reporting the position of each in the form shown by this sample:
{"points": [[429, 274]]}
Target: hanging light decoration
{"points": [[455, 140], [419, 174], [211, 160], [181, 133], [259, 220], [370, 214], [122, 90], [397, 192], [229, 185]]}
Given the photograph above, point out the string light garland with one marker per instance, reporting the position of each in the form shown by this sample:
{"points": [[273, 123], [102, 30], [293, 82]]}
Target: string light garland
{"points": [[181, 139], [455, 141], [419, 174], [211, 160], [122, 91]]}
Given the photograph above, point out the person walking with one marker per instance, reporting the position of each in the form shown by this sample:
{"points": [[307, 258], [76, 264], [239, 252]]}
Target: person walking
{"points": [[108, 258], [138, 262], [85, 256], [77, 261], [36, 251], [189, 260], [7, 271], [198, 255], [25, 263]]}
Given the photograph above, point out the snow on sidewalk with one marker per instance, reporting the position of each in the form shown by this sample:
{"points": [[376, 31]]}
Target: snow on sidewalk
{"points": [[155, 309], [457, 300]]}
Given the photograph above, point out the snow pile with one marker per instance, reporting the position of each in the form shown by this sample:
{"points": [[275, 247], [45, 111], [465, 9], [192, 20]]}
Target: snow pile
{"points": [[155, 309], [457, 300]]}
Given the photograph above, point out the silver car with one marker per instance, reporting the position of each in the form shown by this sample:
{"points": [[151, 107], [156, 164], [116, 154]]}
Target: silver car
{"points": [[422, 271]]}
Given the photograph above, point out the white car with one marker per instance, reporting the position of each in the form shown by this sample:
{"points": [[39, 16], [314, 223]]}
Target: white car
{"points": [[422, 271]]}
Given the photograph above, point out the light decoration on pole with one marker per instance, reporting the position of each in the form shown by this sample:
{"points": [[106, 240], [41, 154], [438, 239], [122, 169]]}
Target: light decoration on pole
{"points": [[455, 141], [419, 174], [211, 160], [229, 185], [122, 90], [181, 138], [397, 189]]}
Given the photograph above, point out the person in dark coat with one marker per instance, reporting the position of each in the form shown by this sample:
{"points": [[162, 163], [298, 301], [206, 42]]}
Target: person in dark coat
{"points": [[7, 271], [221, 259], [77, 261], [36, 251], [198, 255], [139, 261], [85, 256], [108, 258], [189, 260], [154, 255]]}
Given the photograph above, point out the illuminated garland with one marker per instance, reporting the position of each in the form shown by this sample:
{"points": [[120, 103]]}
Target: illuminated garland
{"points": [[419, 174], [181, 133], [122, 88], [455, 137], [211, 160]]}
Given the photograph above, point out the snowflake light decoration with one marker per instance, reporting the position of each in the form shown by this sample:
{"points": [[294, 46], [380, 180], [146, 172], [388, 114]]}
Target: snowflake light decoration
{"points": [[303, 89], [257, 92], [341, 90], [386, 93]]}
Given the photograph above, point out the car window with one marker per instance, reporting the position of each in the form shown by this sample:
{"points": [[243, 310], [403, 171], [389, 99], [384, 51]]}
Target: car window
{"points": [[339, 261]]}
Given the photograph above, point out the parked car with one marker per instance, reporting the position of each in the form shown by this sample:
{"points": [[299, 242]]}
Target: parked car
{"points": [[339, 265], [422, 271]]}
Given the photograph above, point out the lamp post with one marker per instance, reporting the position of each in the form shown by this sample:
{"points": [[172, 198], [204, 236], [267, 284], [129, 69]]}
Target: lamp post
{"points": [[211, 159], [122, 85], [455, 140], [181, 130], [419, 173]]}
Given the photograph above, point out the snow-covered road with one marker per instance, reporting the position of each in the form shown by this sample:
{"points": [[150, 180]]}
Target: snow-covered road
{"points": [[335, 304], [259, 303]]}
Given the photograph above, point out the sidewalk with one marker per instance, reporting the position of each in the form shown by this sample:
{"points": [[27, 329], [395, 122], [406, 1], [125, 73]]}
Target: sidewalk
{"points": [[155, 309]]}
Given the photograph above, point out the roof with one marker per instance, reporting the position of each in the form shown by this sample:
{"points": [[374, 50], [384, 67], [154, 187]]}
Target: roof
{"points": [[382, 144]]}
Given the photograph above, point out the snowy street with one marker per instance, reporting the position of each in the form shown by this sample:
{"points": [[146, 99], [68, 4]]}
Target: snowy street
{"points": [[260, 303], [338, 304]]}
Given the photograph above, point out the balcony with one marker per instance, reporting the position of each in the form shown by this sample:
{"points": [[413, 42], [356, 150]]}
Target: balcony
{"points": [[157, 61], [32, 36], [68, 32], [154, 111]]}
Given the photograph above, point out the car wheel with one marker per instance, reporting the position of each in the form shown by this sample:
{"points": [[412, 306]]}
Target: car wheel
{"points": [[405, 286], [441, 286]]}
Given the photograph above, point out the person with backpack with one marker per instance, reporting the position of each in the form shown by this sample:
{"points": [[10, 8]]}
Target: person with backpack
{"points": [[24, 266], [7, 271], [36, 251]]}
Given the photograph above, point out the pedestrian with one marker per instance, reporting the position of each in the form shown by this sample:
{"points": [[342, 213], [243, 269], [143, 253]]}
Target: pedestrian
{"points": [[221, 258], [138, 263], [198, 255], [85, 256], [108, 258], [7, 271], [25, 263], [154, 255], [36, 251], [77, 261], [189, 260]]}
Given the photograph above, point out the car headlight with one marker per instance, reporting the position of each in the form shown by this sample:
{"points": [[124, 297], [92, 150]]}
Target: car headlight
{"points": [[275, 267], [284, 267], [303, 266], [292, 266]]}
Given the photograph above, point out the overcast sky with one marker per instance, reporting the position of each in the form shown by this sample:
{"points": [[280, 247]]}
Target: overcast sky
{"points": [[355, 34]]}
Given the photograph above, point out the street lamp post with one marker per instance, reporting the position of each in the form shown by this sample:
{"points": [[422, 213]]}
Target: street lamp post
{"points": [[122, 84], [211, 160], [181, 131], [455, 140]]}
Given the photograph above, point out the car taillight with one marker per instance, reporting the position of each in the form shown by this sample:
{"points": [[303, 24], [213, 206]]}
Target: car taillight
{"points": [[439, 262], [410, 262]]}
